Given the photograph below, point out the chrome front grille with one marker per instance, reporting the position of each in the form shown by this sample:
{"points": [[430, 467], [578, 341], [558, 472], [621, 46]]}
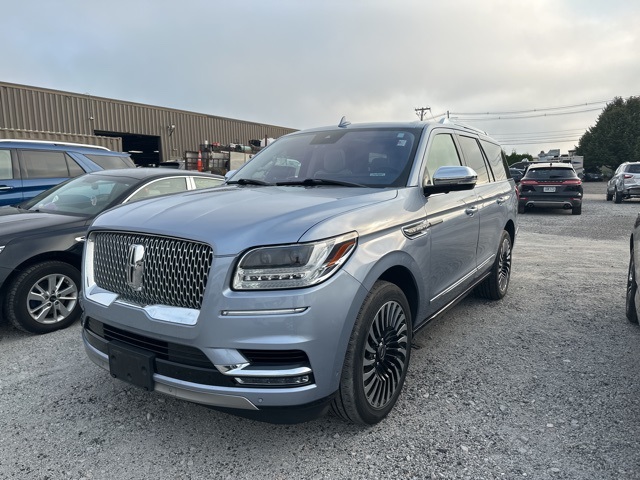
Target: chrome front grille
{"points": [[174, 273]]}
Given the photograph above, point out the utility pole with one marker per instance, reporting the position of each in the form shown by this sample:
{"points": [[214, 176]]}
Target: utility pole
{"points": [[420, 112]]}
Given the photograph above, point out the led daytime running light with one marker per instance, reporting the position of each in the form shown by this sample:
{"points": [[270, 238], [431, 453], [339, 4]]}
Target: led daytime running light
{"points": [[321, 260]]}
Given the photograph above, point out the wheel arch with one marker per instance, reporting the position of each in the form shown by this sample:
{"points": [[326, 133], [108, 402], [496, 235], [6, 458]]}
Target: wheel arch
{"points": [[510, 228], [66, 257]]}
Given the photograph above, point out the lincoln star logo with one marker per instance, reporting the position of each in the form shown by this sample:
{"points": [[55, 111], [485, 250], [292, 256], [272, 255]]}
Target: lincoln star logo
{"points": [[135, 267]]}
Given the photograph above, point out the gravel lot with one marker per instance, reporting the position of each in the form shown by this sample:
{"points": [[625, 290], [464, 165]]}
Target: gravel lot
{"points": [[542, 385]]}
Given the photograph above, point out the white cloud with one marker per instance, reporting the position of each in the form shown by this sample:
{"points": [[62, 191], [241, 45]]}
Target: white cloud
{"points": [[303, 64]]}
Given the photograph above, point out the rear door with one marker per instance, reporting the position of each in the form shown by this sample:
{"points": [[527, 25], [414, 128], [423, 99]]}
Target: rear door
{"points": [[43, 169], [495, 195], [10, 181]]}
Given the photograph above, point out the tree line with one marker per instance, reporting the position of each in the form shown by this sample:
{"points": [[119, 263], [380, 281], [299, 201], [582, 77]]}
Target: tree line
{"points": [[615, 138]]}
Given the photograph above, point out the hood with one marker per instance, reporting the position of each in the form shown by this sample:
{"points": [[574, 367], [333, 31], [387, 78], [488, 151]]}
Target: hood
{"points": [[15, 222], [234, 218]]}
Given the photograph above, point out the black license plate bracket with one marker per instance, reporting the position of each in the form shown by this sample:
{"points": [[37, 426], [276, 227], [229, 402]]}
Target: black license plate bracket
{"points": [[132, 365]]}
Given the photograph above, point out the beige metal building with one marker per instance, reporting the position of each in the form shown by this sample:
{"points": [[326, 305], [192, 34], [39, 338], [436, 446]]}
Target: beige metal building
{"points": [[151, 134]]}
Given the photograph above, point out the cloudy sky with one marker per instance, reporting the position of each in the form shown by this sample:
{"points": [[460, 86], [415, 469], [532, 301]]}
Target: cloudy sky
{"points": [[534, 74]]}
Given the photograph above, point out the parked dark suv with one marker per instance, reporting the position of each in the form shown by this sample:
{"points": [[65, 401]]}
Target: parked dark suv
{"points": [[29, 167], [299, 284], [551, 185]]}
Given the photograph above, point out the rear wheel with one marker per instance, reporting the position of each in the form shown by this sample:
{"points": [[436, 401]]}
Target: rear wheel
{"points": [[521, 208], [617, 196], [44, 297], [632, 288], [377, 358], [494, 287], [609, 196], [576, 210]]}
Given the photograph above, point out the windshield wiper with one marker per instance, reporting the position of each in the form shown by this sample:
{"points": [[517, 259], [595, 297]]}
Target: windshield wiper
{"points": [[321, 181], [249, 181]]}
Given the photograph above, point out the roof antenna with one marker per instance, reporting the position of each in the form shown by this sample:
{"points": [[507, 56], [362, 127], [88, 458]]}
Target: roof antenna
{"points": [[344, 122]]}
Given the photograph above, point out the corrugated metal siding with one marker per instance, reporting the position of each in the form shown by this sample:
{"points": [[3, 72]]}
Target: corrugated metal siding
{"points": [[112, 143], [53, 112]]}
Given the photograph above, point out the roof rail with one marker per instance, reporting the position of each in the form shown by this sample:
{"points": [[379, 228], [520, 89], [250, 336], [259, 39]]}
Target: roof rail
{"points": [[53, 142], [446, 120]]}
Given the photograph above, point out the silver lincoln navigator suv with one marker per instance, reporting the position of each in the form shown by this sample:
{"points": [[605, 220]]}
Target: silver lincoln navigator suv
{"points": [[299, 285]]}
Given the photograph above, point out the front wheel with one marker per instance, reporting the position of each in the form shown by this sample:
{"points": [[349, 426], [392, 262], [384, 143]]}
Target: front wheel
{"points": [[494, 287], [377, 357], [44, 297], [609, 196], [632, 288], [617, 197]]}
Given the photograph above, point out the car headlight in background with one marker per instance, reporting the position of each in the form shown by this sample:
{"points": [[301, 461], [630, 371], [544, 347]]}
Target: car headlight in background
{"points": [[293, 266]]}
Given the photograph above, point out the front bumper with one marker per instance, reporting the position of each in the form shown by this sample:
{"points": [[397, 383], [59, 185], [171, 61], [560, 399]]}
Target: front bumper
{"points": [[219, 360]]}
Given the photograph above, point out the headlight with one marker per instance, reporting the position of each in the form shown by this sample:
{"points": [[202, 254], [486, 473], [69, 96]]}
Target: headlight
{"points": [[1, 248], [293, 266]]}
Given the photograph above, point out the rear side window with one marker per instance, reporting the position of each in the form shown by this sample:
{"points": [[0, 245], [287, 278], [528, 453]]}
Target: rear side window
{"points": [[203, 182], [111, 162], [44, 164], [474, 158], [160, 187], [633, 169], [74, 168], [442, 153], [496, 158], [6, 172]]}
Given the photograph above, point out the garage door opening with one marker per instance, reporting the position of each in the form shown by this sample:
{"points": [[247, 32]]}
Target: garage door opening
{"points": [[144, 149]]}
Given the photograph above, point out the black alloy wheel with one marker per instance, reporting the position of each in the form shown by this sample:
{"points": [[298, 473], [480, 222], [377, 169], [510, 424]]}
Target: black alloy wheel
{"points": [[377, 358]]}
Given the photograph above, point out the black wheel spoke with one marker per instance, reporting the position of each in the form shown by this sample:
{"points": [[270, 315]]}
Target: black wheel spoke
{"points": [[385, 355]]}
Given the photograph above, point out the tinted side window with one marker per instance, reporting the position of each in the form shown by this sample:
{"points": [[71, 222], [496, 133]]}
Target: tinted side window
{"points": [[74, 168], [496, 158], [6, 172], [160, 187], [635, 168], [110, 162], [203, 182], [44, 164], [442, 152], [474, 158]]}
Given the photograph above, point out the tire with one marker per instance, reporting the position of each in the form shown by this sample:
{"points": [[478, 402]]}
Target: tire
{"points": [[632, 288], [609, 196], [576, 210], [617, 197], [521, 208], [495, 286], [44, 297], [377, 357]]}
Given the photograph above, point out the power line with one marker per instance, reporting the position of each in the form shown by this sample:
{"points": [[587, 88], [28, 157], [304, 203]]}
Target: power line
{"points": [[547, 131], [566, 140], [519, 117], [545, 109]]}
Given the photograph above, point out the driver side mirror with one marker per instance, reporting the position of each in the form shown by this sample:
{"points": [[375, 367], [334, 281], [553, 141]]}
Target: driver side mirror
{"points": [[451, 179]]}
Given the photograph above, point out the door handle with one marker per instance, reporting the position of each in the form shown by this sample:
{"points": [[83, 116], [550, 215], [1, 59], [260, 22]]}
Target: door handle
{"points": [[501, 200], [471, 211], [5, 187]]}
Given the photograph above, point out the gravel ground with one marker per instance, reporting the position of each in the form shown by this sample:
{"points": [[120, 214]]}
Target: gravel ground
{"points": [[541, 385]]}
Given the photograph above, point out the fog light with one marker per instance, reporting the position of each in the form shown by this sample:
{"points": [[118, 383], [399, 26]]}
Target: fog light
{"points": [[274, 381]]}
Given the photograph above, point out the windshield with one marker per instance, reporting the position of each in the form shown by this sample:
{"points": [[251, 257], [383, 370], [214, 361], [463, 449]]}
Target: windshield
{"points": [[380, 157], [85, 195]]}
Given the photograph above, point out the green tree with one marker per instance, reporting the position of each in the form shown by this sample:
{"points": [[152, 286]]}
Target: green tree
{"points": [[518, 157], [615, 138]]}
